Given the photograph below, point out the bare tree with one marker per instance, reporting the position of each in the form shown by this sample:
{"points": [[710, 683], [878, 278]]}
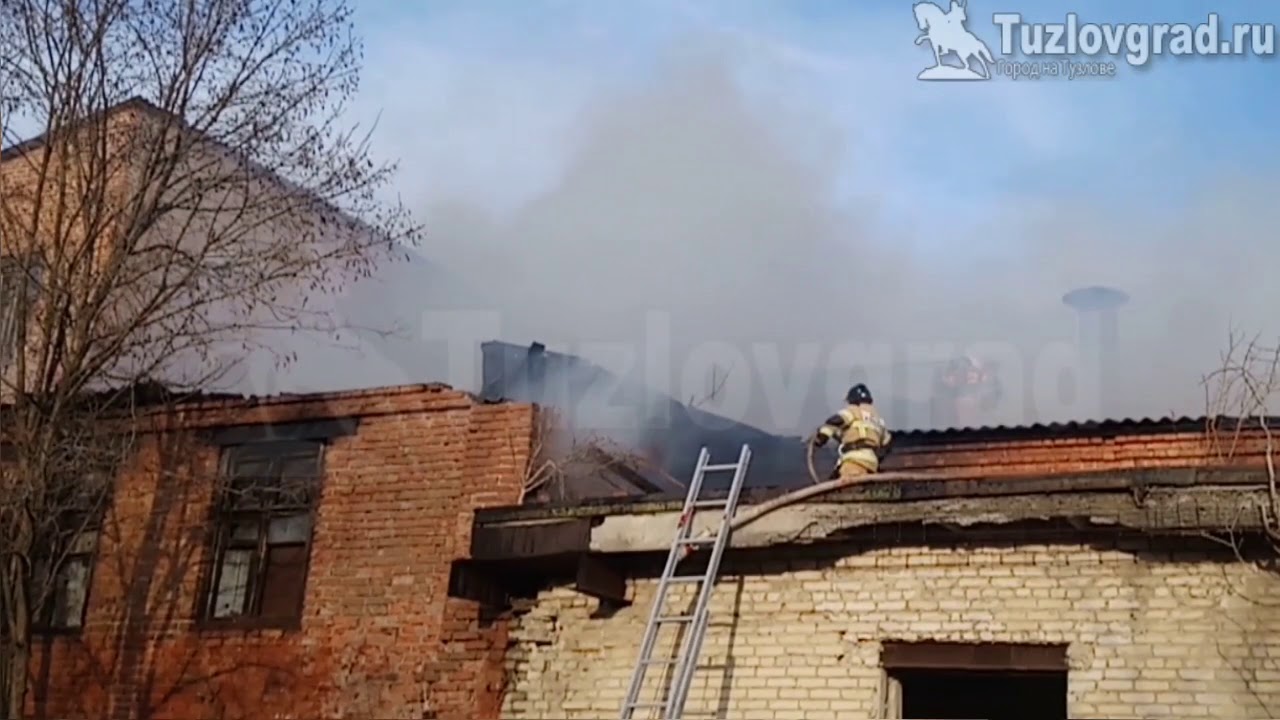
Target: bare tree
{"points": [[1238, 397], [176, 186]]}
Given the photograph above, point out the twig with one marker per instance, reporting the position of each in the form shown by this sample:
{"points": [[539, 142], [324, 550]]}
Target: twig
{"points": [[717, 385]]}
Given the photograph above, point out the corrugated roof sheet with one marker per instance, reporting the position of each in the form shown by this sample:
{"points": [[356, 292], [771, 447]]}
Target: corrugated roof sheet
{"points": [[1075, 428]]}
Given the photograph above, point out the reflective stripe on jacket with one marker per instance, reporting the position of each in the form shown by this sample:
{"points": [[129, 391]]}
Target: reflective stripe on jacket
{"points": [[857, 426]]}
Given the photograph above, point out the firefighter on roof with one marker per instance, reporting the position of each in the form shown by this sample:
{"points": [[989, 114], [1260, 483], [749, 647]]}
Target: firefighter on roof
{"points": [[964, 393], [864, 439]]}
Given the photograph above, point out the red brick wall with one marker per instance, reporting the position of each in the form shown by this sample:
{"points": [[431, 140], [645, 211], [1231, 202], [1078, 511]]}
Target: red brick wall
{"points": [[1083, 454], [379, 638]]}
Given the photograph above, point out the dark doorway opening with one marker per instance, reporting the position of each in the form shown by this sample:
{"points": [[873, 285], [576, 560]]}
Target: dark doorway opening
{"points": [[947, 694], [974, 681]]}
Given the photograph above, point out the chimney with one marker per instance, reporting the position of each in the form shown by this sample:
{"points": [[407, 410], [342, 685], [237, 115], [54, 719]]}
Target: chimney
{"points": [[536, 372], [495, 369], [1098, 336]]}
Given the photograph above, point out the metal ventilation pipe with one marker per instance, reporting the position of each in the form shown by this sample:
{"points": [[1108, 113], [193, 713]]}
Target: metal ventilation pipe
{"points": [[1098, 336]]}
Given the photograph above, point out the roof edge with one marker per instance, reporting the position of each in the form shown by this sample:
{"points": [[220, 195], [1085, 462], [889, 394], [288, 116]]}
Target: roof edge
{"points": [[1075, 429], [919, 486], [1184, 502], [137, 102]]}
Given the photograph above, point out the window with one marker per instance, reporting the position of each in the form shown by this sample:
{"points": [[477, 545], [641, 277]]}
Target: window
{"points": [[961, 680], [60, 598], [12, 273], [10, 278], [264, 527]]}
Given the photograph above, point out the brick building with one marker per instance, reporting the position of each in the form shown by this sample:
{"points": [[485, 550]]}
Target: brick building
{"points": [[1063, 569], [1086, 571], [331, 603]]}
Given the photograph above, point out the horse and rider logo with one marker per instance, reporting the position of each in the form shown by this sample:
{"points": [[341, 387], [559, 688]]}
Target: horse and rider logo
{"points": [[945, 31]]}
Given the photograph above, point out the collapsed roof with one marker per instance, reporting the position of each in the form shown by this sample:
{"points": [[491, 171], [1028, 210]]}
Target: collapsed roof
{"points": [[666, 433]]}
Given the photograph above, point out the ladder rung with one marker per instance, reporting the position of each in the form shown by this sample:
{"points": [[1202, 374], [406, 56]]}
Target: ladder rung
{"points": [[639, 706], [675, 618], [723, 467], [686, 578], [709, 504]]}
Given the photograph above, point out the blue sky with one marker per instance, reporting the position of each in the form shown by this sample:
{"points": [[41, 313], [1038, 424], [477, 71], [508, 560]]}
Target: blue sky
{"points": [[1140, 139]]}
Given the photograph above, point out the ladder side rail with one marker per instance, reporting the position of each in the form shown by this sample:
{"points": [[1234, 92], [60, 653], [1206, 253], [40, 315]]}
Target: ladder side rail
{"points": [[660, 592], [688, 662], [695, 483], [739, 479]]}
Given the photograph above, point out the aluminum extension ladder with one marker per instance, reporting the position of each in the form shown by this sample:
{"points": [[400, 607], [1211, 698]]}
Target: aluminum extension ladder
{"points": [[690, 644]]}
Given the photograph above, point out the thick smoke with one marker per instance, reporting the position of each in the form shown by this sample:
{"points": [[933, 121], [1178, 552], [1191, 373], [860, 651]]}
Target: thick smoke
{"points": [[684, 207]]}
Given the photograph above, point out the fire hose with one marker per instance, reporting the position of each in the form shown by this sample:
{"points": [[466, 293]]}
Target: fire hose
{"points": [[829, 486], [820, 487], [811, 446]]}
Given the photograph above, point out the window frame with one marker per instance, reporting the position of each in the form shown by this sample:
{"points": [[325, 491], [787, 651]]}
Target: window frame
{"points": [[42, 619], [227, 518], [14, 318], [75, 537]]}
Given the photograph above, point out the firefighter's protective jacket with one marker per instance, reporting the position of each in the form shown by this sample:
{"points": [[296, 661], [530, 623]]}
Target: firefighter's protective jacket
{"points": [[863, 435]]}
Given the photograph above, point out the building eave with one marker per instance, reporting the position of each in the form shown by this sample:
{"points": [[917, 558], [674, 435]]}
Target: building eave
{"points": [[516, 551], [1183, 500]]}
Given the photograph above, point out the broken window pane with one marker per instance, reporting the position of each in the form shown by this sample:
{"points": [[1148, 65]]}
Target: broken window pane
{"points": [[14, 272], [250, 479], [302, 464], [233, 583], [59, 598], [10, 277], [71, 591], [298, 475], [295, 529], [245, 533]]}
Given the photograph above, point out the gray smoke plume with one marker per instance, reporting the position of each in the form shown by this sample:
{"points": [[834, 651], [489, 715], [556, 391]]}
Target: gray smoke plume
{"points": [[682, 201]]}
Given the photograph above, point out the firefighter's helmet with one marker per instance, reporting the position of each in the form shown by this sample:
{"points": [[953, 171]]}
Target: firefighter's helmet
{"points": [[858, 395]]}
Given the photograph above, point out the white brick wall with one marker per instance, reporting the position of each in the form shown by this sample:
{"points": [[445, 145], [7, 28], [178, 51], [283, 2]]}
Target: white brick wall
{"points": [[1178, 636]]}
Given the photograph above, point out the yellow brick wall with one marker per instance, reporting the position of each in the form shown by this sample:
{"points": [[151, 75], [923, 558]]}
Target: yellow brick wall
{"points": [[1171, 634]]}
